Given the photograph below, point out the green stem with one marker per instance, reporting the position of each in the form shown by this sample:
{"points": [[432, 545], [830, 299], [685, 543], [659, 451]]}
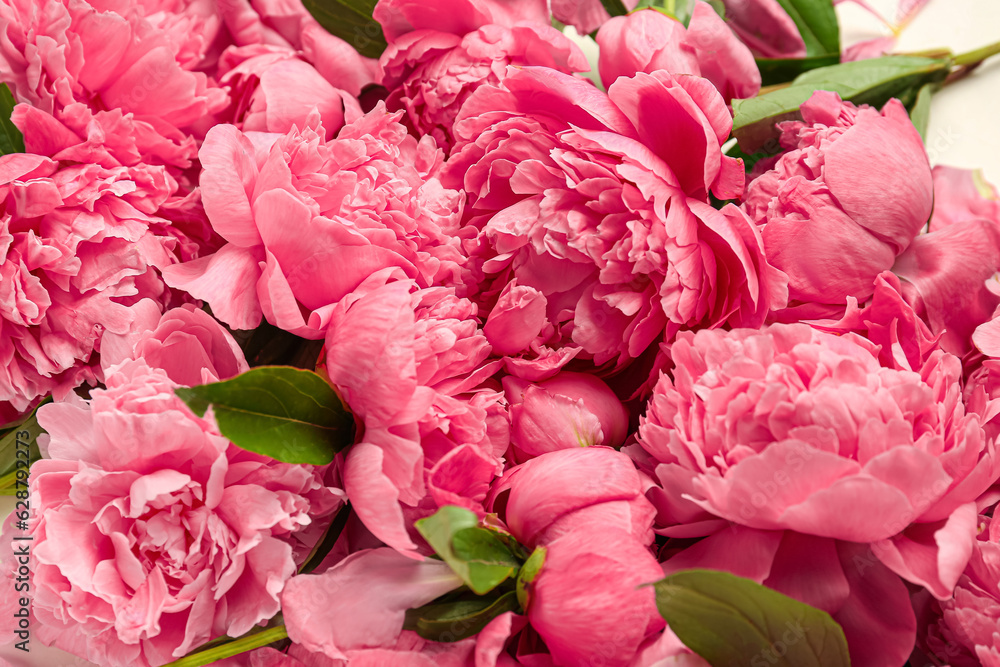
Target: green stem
{"points": [[977, 56], [235, 647], [329, 539]]}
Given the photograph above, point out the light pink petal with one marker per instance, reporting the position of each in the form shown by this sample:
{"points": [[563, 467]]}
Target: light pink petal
{"points": [[932, 555], [374, 497], [766, 28], [229, 170], [944, 277], [361, 601], [227, 280]]}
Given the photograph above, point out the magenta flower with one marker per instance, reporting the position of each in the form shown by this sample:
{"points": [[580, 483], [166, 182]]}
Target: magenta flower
{"points": [[152, 533], [600, 210], [792, 429], [649, 40], [440, 52], [850, 195]]}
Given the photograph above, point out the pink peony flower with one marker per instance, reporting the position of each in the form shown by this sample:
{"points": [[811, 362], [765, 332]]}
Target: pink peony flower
{"points": [[278, 92], [586, 602], [649, 40], [568, 410], [352, 614], [850, 195], [949, 273], [947, 276], [961, 195], [185, 342], [548, 489], [115, 58], [262, 26], [107, 138], [584, 15], [589, 602], [440, 52], [887, 320], [844, 579], [962, 630], [765, 27], [982, 369], [292, 205], [409, 364], [789, 428], [152, 533], [600, 210], [80, 245]]}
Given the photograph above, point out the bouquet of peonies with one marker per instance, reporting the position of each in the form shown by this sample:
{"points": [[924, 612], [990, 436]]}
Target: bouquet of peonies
{"points": [[343, 333]]}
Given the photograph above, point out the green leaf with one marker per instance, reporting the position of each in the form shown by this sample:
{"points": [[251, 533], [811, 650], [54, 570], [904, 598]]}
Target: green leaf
{"points": [[476, 555], [27, 431], [817, 24], [719, 7], [457, 620], [729, 620], [483, 547], [920, 114], [873, 82], [615, 7], [781, 70], [289, 414], [749, 159], [267, 345], [11, 139], [352, 21], [528, 572]]}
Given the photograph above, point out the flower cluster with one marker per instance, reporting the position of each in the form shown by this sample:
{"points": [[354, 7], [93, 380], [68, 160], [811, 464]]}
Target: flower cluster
{"points": [[445, 357]]}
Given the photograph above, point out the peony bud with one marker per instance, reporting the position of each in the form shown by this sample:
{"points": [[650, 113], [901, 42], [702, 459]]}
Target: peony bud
{"points": [[568, 410]]}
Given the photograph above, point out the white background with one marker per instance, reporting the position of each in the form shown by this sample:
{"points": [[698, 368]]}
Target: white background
{"points": [[964, 131]]}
